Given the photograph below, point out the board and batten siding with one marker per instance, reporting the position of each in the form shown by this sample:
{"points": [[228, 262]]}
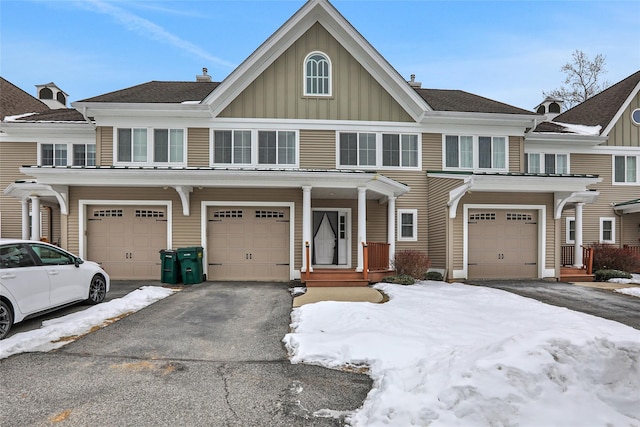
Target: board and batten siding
{"points": [[602, 165], [624, 132], [278, 91], [198, 147], [13, 155], [317, 149]]}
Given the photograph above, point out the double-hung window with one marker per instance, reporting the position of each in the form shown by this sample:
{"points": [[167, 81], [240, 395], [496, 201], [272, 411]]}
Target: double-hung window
{"points": [[626, 170], [67, 154], [150, 146], [607, 230], [548, 163], [378, 150], [475, 152], [407, 225]]}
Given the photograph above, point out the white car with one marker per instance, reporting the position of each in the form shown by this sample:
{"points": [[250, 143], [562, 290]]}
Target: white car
{"points": [[37, 277]]}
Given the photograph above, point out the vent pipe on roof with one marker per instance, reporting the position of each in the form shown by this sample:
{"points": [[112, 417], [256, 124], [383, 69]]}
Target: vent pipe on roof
{"points": [[204, 77], [414, 83]]}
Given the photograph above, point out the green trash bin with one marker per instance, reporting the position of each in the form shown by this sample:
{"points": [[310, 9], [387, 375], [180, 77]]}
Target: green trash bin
{"points": [[191, 264], [170, 268]]}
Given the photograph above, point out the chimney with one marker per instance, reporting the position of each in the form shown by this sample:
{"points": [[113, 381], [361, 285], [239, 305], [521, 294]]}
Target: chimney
{"points": [[413, 83], [204, 77], [550, 107], [50, 94]]}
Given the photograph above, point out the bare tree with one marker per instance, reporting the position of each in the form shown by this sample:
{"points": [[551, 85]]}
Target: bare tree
{"points": [[583, 79]]}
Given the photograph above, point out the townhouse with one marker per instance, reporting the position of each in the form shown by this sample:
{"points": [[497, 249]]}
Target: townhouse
{"points": [[311, 153]]}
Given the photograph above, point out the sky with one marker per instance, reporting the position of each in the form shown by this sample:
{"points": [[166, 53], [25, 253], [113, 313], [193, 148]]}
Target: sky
{"points": [[439, 354], [510, 51]]}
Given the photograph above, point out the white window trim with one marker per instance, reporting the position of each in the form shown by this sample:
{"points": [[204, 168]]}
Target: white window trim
{"points": [[613, 229], [304, 76], [568, 239], [379, 154], [150, 147], [476, 152], [633, 112], [613, 170], [69, 151], [542, 160], [254, 150], [414, 213]]}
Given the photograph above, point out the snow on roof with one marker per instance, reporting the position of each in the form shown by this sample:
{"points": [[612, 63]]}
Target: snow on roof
{"points": [[17, 117], [581, 129]]}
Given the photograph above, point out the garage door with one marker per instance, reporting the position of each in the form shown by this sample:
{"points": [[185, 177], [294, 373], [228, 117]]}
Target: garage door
{"points": [[503, 244], [248, 243], [126, 240]]}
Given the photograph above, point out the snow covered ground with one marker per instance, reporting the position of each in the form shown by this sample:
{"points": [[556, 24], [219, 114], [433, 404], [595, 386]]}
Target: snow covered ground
{"points": [[456, 355], [635, 280], [57, 332]]}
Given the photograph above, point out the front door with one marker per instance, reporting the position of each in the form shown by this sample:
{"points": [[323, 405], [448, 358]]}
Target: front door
{"points": [[325, 242], [330, 238]]}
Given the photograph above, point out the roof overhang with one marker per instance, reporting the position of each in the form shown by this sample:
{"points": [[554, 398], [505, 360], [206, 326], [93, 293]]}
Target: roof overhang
{"points": [[324, 184], [523, 121], [51, 193], [632, 206], [564, 138], [98, 111], [81, 132], [567, 189]]}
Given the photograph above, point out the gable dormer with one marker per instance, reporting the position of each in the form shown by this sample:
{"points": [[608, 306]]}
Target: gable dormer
{"points": [[52, 95], [550, 107]]}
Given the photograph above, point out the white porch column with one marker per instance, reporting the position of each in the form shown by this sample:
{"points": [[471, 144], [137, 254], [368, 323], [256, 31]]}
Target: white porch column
{"points": [[306, 224], [35, 218], [577, 245], [362, 225], [25, 219], [391, 227]]}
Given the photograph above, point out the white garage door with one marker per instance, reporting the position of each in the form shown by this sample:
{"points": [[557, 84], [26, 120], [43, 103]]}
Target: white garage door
{"points": [[248, 243], [126, 240], [503, 244]]}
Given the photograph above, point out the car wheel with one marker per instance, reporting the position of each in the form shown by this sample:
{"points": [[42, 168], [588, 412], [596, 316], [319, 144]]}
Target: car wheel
{"points": [[6, 319], [97, 290]]}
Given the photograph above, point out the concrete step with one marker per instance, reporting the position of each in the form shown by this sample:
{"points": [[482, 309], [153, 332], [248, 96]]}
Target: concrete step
{"points": [[318, 283]]}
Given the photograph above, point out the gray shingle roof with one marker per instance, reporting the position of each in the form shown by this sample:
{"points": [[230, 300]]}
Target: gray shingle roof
{"points": [[15, 101], [55, 115], [599, 109], [458, 100], [155, 92]]}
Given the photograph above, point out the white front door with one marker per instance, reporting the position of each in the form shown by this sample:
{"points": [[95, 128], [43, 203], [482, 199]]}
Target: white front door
{"points": [[325, 242]]}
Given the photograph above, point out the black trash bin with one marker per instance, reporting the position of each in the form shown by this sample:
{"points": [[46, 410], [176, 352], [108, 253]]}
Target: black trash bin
{"points": [[170, 267], [191, 264]]}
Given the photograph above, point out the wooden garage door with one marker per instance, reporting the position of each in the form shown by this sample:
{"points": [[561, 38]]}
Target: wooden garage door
{"points": [[126, 240], [248, 243], [503, 244]]}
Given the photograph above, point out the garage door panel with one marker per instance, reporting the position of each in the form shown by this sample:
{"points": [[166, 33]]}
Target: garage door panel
{"points": [[247, 243], [502, 244]]}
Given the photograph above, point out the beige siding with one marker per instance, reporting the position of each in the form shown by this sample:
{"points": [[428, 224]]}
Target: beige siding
{"points": [[438, 197], [609, 194], [278, 91], [12, 156], [317, 149], [516, 154], [104, 146], [432, 151], [198, 147], [630, 226], [624, 132]]}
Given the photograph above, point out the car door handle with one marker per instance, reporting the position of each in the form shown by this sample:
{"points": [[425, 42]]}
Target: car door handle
{"points": [[53, 272], [8, 276]]}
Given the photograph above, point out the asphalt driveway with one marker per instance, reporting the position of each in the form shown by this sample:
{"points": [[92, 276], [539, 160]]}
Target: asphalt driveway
{"points": [[598, 302], [210, 355]]}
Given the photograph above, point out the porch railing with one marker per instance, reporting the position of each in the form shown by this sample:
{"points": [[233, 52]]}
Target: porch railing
{"points": [[378, 256], [567, 257]]}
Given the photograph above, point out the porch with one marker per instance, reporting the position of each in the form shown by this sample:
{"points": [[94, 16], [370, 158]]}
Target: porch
{"points": [[569, 272], [376, 266]]}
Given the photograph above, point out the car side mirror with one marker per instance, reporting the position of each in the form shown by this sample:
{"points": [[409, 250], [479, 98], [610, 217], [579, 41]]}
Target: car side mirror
{"points": [[78, 261]]}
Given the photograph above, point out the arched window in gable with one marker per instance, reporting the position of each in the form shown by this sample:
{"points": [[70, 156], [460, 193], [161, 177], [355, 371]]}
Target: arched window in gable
{"points": [[317, 75]]}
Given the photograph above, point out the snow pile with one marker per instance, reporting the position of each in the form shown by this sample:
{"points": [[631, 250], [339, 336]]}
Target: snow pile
{"points": [[57, 332], [634, 292], [581, 129], [456, 355]]}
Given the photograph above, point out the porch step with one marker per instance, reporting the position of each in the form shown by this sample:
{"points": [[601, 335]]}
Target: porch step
{"points": [[324, 283], [334, 274], [572, 274]]}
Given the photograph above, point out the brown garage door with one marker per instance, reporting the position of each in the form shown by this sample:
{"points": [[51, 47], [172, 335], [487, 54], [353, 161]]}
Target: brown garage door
{"points": [[248, 243], [503, 244], [126, 240]]}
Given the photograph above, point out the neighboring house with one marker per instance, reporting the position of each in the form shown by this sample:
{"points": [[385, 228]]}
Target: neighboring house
{"points": [[313, 138], [600, 136]]}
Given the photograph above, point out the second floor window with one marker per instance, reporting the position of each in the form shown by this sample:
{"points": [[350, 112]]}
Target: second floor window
{"points": [[475, 152], [253, 148], [150, 146], [378, 150], [67, 154], [317, 75], [625, 170], [547, 163]]}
